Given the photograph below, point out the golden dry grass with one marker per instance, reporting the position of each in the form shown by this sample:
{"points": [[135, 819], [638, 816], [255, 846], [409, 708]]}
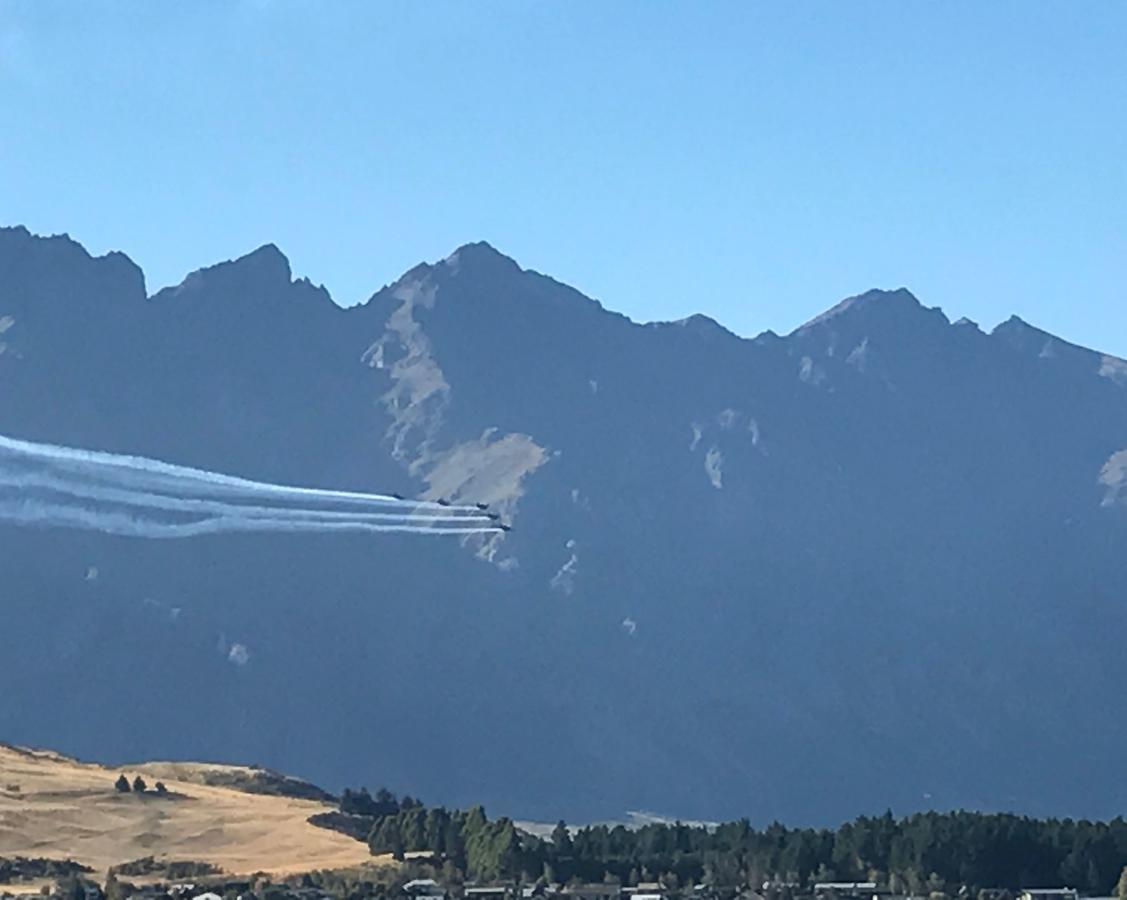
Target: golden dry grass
{"points": [[55, 807]]}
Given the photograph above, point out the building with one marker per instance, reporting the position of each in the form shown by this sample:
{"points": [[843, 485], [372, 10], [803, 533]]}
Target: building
{"points": [[592, 892], [866, 889], [424, 888], [488, 892]]}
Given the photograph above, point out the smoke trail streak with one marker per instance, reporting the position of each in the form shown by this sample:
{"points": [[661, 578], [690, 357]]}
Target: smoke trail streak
{"points": [[221, 508], [49, 485], [98, 464], [29, 512]]}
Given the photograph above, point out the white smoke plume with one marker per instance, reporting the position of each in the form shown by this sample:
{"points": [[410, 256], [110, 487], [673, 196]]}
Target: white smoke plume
{"points": [[48, 485], [238, 655]]}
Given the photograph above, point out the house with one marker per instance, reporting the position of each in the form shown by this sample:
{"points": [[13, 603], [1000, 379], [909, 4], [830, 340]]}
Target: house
{"points": [[424, 887], [487, 892], [593, 891], [845, 889]]}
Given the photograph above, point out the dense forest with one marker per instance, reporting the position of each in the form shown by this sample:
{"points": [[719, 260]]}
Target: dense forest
{"points": [[21, 868], [924, 853]]}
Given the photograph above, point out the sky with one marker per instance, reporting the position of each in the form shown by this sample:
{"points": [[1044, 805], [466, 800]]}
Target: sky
{"points": [[752, 161]]}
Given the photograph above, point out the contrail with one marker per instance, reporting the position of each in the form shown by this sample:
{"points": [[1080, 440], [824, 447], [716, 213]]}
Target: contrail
{"points": [[30, 512], [82, 490], [156, 474], [49, 485]]}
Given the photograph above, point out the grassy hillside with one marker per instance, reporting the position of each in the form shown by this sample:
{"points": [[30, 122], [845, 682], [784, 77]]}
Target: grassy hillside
{"points": [[55, 807]]}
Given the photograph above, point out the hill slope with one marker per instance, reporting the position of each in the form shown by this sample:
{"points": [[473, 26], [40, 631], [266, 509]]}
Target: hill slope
{"points": [[876, 562], [59, 808]]}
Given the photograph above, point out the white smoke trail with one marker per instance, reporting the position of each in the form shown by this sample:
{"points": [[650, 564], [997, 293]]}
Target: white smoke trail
{"points": [[36, 513], [139, 470], [48, 485], [111, 495]]}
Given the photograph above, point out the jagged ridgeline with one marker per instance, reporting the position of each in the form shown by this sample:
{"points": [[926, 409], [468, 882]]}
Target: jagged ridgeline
{"points": [[873, 563]]}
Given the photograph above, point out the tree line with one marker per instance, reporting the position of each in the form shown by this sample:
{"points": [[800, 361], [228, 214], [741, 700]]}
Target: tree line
{"points": [[924, 853]]}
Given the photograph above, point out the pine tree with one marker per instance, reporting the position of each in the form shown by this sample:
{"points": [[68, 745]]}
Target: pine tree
{"points": [[386, 804], [561, 840]]}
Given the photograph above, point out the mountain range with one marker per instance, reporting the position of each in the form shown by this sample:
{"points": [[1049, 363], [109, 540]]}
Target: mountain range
{"points": [[877, 562]]}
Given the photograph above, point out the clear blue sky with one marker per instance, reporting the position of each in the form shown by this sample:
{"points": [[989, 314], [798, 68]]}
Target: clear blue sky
{"points": [[753, 161]]}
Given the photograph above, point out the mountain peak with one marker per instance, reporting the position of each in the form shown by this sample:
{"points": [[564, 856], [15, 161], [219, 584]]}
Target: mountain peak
{"points": [[267, 262], [482, 257], [1016, 325], [267, 252], [53, 256], [700, 325], [1019, 335], [875, 302], [263, 269]]}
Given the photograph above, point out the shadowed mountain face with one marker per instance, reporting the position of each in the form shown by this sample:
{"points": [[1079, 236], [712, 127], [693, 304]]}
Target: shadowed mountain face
{"points": [[877, 562]]}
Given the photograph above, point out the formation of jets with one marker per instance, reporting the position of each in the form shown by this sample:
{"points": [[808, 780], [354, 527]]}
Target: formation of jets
{"points": [[484, 507]]}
